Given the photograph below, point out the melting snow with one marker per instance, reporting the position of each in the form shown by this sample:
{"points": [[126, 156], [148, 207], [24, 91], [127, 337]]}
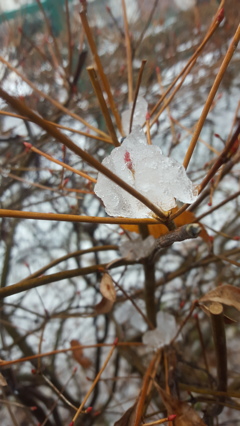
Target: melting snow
{"points": [[137, 248], [160, 179], [162, 335]]}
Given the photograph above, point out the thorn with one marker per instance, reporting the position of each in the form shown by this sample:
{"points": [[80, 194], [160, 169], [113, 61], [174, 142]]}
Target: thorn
{"points": [[89, 409], [34, 408], [147, 116]]}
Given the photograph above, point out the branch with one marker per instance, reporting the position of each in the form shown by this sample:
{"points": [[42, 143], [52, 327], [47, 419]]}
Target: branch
{"points": [[185, 232]]}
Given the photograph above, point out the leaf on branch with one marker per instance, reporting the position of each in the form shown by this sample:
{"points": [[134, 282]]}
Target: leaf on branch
{"points": [[78, 355], [104, 306], [128, 417], [228, 296], [186, 415], [107, 288], [2, 380]]}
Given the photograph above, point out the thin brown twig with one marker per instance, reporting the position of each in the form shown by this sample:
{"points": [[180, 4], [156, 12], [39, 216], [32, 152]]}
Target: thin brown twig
{"points": [[212, 93], [128, 53], [51, 100], [134, 304], [160, 83], [232, 197], [98, 91], [69, 38], [64, 165], [147, 382], [136, 93], [218, 330], [95, 381], [193, 58], [60, 126], [50, 32], [223, 157], [100, 69], [61, 351], [74, 218]]}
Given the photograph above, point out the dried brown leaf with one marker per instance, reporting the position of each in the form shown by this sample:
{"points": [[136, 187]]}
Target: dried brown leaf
{"points": [[107, 288], [228, 296], [103, 307], [225, 294], [186, 415], [128, 417], [78, 355], [2, 380]]}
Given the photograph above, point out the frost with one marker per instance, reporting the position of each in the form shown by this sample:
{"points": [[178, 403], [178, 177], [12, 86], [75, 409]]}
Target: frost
{"points": [[160, 179], [162, 335], [137, 248]]}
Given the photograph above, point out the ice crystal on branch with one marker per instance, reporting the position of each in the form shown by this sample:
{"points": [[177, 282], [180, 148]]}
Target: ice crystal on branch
{"points": [[160, 179], [162, 335], [137, 248]]}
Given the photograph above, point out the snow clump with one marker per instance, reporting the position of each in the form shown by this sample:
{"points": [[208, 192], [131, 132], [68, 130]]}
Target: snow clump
{"points": [[137, 248], [162, 335], [160, 179]]}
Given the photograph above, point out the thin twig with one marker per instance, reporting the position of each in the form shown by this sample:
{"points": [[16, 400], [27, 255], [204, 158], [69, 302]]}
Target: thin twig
{"points": [[60, 126], [218, 330], [50, 32], [100, 69], [75, 218], [69, 38], [60, 163], [94, 382], [224, 156], [213, 91], [51, 100], [128, 53], [193, 58], [98, 91], [136, 93]]}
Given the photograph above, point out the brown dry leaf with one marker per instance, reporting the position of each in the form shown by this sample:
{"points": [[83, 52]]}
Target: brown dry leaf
{"points": [[78, 355], [128, 417], [2, 380], [104, 306], [107, 287], [157, 230], [186, 415], [228, 296]]}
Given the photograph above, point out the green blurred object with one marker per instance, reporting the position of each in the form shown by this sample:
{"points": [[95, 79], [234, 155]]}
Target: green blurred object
{"points": [[29, 12]]}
